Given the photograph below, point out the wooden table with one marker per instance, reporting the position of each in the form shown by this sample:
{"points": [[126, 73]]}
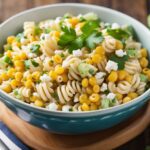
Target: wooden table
{"points": [[135, 8]]}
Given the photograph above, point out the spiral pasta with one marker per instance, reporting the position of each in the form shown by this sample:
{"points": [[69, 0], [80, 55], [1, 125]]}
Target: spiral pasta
{"points": [[74, 63]]}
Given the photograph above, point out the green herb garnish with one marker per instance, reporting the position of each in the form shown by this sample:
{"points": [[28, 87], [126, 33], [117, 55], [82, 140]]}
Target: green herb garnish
{"points": [[37, 30], [143, 78], [19, 37], [7, 47], [118, 34], [8, 60], [47, 30], [34, 63], [132, 53], [35, 49], [27, 64], [119, 60]]}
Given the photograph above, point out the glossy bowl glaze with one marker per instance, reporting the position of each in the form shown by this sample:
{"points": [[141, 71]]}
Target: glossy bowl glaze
{"points": [[72, 122]]}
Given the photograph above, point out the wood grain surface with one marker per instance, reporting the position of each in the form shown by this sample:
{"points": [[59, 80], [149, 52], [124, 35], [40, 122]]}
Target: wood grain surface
{"points": [[135, 8]]}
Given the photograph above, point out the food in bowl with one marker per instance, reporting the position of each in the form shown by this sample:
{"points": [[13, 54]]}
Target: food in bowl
{"points": [[74, 63]]}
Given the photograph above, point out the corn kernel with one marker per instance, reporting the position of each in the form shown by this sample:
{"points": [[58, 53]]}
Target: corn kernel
{"points": [[126, 99], [7, 88], [113, 76], [59, 70], [35, 76], [53, 75], [89, 61], [4, 76], [33, 98], [89, 90], [84, 82], [19, 65], [23, 56], [146, 70], [96, 58], [92, 81], [143, 52], [10, 39], [9, 53], [29, 84], [96, 88], [16, 57], [129, 78], [57, 59], [14, 83], [143, 62], [119, 96], [119, 45], [100, 50], [122, 74], [11, 72], [18, 76], [93, 106], [74, 21], [132, 95], [85, 107], [83, 98], [39, 103], [94, 98]]}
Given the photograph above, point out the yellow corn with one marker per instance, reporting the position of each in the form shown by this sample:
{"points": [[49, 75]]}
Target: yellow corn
{"points": [[34, 98], [129, 78], [10, 39], [16, 57], [59, 70], [113, 76], [29, 84], [89, 61], [85, 107], [122, 74], [146, 70], [143, 52], [83, 98], [143, 62], [65, 77], [19, 65], [89, 90], [57, 59], [85, 82], [74, 21], [23, 56], [92, 81], [18, 76], [94, 98], [53, 75], [93, 106], [7, 88], [9, 53], [39, 103], [119, 96], [35, 76], [96, 88], [11, 72], [4, 76], [14, 83], [132, 95], [119, 45], [126, 99], [96, 58], [100, 50]]}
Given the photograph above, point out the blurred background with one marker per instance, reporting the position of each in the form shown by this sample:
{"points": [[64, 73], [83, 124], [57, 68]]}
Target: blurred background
{"points": [[138, 9], [135, 8]]}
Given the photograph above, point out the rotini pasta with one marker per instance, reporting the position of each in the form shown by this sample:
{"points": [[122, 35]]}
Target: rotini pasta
{"points": [[74, 63]]}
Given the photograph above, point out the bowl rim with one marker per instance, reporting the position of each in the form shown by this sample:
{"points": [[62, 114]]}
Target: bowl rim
{"points": [[73, 114]]}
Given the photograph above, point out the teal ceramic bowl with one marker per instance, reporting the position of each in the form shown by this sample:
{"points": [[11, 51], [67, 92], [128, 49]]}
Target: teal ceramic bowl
{"points": [[72, 122]]}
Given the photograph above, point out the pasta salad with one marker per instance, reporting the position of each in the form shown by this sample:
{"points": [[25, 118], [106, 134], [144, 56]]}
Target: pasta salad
{"points": [[74, 63]]}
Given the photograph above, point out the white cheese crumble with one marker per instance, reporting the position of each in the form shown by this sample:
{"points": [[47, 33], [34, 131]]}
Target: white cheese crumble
{"points": [[111, 96], [115, 26], [66, 108], [52, 106], [100, 75], [104, 87], [36, 94], [77, 53], [120, 53], [44, 36], [45, 78], [111, 65], [31, 55], [58, 52]]}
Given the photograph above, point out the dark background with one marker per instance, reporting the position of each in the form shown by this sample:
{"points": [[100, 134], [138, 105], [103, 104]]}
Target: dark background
{"points": [[138, 9]]}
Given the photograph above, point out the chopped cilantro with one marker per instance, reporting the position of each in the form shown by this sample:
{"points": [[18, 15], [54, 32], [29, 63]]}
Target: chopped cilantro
{"points": [[130, 30], [35, 49], [47, 30], [119, 60], [27, 64], [93, 39], [92, 71], [37, 30], [7, 47], [8, 60], [34, 63], [118, 34]]}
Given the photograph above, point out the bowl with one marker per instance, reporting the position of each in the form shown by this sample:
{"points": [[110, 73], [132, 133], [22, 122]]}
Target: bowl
{"points": [[73, 122]]}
